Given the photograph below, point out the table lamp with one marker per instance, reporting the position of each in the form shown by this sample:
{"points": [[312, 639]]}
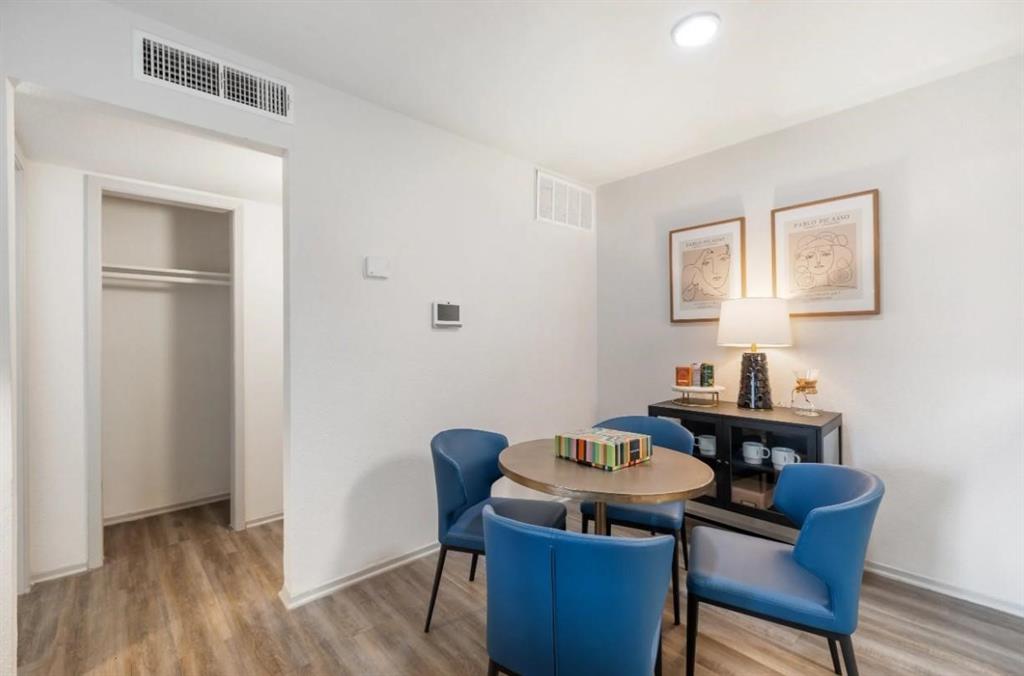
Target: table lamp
{"points": [[753, 323]]}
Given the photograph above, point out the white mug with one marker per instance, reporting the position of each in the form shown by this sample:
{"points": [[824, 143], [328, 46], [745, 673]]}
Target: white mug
{"points": [[754, 452], [706, 444], [782, 456]]}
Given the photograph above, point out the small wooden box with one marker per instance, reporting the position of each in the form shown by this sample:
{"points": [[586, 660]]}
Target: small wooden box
{"points": [[753, 492], [604, 448]]}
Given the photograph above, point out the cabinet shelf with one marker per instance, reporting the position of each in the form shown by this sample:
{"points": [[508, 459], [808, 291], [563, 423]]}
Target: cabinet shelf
{"points": [[767, 468]]}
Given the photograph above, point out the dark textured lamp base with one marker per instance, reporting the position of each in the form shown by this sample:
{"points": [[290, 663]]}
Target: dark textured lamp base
{"points": [[755, 390]]}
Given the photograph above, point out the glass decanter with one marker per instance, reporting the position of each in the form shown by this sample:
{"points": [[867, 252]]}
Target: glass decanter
{"points": [[806, 384]]}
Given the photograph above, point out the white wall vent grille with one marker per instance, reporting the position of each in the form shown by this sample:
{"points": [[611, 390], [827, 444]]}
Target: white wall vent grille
{"points": [[255, 91], [171, 65], [176, 66], [564, 203]]}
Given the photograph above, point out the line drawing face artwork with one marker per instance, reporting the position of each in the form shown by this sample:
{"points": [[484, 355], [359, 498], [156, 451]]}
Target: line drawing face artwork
{"points": [[825, 256], [706, 273], [824, 259], [705, 267]]}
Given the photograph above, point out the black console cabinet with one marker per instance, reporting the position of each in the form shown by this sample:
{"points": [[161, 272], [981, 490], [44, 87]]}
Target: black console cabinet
{"points": [[744, 487]]}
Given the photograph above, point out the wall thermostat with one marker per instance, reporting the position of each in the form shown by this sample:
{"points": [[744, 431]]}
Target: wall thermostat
{"points": [[447, 314]]}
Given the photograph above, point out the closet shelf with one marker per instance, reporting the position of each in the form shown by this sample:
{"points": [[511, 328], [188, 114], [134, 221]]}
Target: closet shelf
{"points": [[173, 275]]}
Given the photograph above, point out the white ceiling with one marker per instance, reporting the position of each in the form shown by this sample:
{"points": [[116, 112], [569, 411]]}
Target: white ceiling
{"points": [[597, 90], [79, 134]]}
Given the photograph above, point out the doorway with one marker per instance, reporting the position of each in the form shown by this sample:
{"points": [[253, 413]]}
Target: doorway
{"points": [[166, 330], [154, 327]]}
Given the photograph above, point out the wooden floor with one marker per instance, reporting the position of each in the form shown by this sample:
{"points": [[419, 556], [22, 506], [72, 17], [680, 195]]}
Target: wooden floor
{"points": [[181, 594]]}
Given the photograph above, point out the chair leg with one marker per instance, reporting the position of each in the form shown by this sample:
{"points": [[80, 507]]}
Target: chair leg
{"points": [[675, 578], [849, 659], [437, 582], [686, 548], [608, 528], [586, 525], [657, 663], [835, 656], [472, 568], [691, 632], [492, 668]]}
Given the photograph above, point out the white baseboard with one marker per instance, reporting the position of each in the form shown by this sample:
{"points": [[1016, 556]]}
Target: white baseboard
{"points": [[924, 582], [292, 602], [264, 520], [142, 514], [63, 571]]}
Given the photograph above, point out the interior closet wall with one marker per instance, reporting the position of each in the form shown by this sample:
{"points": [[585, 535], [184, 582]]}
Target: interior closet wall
{"points": [[166, 421]]}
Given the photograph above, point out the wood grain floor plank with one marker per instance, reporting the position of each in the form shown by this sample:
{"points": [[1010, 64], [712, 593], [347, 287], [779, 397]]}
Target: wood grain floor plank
{"points": [[182, 594]]}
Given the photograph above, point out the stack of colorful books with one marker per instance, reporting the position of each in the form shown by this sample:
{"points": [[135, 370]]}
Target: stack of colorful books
{"points": [[695, 375], [604, 448]]}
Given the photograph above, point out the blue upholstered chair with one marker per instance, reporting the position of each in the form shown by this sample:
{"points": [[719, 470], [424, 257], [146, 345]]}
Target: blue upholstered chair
{"points": [[813, 585], [665, 518], [566, 603], [465, 466]]}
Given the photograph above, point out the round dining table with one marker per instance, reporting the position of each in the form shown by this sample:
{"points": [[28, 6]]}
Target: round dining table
{"points": [[667, 477]]}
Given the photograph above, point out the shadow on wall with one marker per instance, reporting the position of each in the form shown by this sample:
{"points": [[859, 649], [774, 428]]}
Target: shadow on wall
{"points": [[937, 493], [390, 511]]}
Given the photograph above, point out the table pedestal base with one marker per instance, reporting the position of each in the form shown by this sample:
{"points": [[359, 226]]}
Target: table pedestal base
{"points": [[600, 518]]}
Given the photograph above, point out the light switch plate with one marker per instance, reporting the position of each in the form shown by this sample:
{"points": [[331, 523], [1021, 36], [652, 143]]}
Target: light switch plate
{"points": [[378, 267]]}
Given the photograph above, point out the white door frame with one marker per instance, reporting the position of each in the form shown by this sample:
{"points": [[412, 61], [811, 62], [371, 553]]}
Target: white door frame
{"points": [[9, 511], [95, 188], [18, 343]]}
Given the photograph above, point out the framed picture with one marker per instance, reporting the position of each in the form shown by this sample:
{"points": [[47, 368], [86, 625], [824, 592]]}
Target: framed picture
{"points": [[705, 267], [825, 255]]}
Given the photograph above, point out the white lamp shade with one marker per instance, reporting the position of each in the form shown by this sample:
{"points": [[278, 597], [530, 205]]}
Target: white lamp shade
{"points": [[747, 321]]}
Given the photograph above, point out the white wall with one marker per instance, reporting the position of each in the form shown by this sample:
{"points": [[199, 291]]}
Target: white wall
{"points": [[54, 366], [166, 360], [367, 380], [371, 381], [930, 390], [262, 240]]}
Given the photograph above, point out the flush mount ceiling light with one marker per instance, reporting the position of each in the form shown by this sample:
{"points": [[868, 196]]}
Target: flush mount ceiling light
{"points": [[696, 30]]}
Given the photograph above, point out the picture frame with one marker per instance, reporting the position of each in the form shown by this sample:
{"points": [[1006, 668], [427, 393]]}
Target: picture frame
{"points": [[825, 256], [706, 265]]}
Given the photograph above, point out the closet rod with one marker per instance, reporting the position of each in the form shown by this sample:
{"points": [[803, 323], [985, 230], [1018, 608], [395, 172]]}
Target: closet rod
{"points": [[170, 272], [162, 278]]}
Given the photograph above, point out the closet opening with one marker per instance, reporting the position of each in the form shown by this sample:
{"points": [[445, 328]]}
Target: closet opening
{"points": [[166, 362], [153, 358], [167, 431]]}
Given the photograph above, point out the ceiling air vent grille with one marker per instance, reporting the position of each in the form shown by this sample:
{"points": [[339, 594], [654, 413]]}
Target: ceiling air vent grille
{"points": [[255, 91], [564, 203], [163, 62], [176, 66]]}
